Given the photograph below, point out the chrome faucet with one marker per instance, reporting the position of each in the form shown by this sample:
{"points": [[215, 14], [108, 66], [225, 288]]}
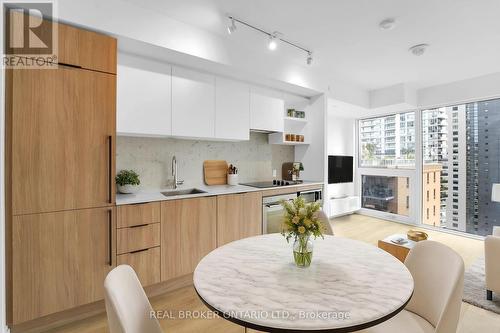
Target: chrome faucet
{"points": [[174, 173]]}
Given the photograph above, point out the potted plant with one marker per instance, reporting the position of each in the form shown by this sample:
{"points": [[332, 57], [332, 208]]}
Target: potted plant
{"points": [[301, 222], [127, 181]]}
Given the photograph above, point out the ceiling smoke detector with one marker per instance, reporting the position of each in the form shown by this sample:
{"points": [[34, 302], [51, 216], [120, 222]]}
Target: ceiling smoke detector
{"points": [[418, 50], [387, 24]]}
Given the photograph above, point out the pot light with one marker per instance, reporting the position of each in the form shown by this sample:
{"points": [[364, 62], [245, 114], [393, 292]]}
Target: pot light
{"points": [[419, 49], [309, 58], [273, 42], [231, 28]]}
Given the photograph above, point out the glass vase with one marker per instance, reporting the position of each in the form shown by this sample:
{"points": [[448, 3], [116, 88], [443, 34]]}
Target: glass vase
{"points": [[302, 251]]}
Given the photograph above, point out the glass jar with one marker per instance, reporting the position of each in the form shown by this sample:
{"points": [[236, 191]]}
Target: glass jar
{"points": [[303, 251]]}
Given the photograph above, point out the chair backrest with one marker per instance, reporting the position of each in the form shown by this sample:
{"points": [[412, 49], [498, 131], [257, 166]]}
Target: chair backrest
{"points": [[438, 274], [325, 221], [496, 231], [127, 305]]}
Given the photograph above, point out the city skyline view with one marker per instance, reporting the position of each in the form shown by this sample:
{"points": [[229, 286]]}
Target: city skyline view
{"points": [[458, 143]]}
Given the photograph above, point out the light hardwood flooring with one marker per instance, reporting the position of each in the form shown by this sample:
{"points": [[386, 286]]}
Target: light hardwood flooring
{"points": [[368, 229]]}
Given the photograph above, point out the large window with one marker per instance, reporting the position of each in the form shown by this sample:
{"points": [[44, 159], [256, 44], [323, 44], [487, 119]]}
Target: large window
{"points": [[388, 141], [458, 160]]}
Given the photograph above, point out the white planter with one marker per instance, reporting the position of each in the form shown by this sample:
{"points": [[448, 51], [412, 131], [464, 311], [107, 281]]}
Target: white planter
{"points": [[232, 179], [128, 189]]}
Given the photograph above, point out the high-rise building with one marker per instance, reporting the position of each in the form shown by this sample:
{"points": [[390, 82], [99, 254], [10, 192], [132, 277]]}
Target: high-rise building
{"points": [[431, 189]]}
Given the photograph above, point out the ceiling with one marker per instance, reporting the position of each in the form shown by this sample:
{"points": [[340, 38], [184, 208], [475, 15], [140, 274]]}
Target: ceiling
{"points": [[464, 35]]}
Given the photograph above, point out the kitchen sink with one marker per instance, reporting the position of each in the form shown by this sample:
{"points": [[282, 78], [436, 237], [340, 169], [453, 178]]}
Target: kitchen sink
{"points": [[182, 192]]}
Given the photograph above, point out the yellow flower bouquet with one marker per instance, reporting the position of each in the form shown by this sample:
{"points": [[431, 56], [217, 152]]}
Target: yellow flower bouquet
{"points": [[300, 223]]}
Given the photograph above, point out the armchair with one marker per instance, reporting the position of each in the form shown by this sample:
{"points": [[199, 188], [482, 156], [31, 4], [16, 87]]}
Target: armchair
{"points": [[492, 263]]}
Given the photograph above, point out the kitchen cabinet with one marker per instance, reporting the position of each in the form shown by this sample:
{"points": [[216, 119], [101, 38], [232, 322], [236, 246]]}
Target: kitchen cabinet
{"points": [[60, 260], [267, 111], [138, 214], [61, 131], [146, 264], [232, 110], [193, 103], [137, 238], [238, 216], [188, 233], [63, 149], [144, 100]]}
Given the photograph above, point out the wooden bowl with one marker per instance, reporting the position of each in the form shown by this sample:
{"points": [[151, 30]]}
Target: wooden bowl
{"points": [[416, 236]]}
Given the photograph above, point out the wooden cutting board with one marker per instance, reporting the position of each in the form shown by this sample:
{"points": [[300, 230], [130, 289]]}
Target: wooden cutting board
{"points": [[215, 172]]}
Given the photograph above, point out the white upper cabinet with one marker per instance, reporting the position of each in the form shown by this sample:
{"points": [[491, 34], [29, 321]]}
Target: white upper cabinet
{"points": [[232, 110], [267, 110], [193, 103], [143, 97]]}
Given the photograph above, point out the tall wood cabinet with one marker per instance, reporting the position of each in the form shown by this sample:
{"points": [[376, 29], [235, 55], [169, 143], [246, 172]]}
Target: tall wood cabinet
{"points": [[60, 168]]}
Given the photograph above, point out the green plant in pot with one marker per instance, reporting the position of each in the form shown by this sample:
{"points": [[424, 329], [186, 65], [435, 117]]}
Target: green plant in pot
{"points": [[127, 181], [301, 222]]}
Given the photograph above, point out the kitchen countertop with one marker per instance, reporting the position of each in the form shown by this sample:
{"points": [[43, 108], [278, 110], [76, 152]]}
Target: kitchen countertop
{"points": [[155, 195]]}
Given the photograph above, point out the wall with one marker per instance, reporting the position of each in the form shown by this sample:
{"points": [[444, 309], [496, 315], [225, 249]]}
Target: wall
{"points": [[151, 158]]}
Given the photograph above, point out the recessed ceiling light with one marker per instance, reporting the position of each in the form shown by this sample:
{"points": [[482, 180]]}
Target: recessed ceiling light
{"points": [[419, 49], [273, 42], [387, 24]]}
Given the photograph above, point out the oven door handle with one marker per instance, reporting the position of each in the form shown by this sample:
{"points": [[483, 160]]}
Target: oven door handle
{"points": [[273, 207]]}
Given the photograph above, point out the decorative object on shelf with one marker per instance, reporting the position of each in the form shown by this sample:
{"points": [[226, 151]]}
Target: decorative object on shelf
{"points": [[232, 175], [297, 168], [417, 236], [290, 113], [300, 114], [293, 137], [288, 137], [301, 222], [300, 138], [127, 181]]}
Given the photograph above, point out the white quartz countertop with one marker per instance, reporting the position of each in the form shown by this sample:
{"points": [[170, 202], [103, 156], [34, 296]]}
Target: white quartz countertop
{"points": [[349, 284], [155, 195]]}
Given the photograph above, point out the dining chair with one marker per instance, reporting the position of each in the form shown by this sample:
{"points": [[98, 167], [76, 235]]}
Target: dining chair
{"points": [[127, 306], [326, 222], [492, 264], [438, 274]]}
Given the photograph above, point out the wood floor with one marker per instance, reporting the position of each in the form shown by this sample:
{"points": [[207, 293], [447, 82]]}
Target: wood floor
{"points": [[368, 229]]}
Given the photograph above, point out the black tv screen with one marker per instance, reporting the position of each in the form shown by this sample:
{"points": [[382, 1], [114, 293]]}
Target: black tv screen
{"points": [[339, 169]]}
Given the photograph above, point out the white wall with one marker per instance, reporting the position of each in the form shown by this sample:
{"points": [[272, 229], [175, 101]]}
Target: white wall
{"points": [[313, 156]]}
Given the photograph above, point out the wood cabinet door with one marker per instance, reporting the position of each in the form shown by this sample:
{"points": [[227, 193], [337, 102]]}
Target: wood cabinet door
{"points": [[193, 103], [188, 233], [63, 139], [86, 49], [60, 260], [238, 216]]}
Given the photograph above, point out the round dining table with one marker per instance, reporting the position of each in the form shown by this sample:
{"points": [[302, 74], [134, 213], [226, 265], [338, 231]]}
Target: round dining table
{"points": [[350, 285]]}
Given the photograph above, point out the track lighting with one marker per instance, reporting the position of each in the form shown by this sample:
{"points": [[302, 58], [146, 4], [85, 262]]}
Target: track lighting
{"points": [[273, 42], [274, 37], [231, 28], [309, 58]]}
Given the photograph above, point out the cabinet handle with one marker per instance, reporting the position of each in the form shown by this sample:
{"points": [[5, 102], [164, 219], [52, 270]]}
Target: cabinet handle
{"points": [[137, 251], [110, 167], [110, 237], [138, 225]]}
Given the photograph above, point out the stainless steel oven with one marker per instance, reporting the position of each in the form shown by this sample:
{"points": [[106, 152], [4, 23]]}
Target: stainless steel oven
{"points": [[272, 211]]}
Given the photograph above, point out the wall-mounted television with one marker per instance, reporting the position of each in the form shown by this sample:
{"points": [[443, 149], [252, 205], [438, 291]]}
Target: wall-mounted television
{"points": [[340, 169]]}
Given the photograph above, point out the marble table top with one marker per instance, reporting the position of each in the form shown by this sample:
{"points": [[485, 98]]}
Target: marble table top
{"points": [[350, 285]]}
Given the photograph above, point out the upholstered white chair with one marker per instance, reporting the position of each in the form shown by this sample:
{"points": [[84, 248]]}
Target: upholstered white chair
{"points": [[127, 305], [326, 222], [492, 263], [438, 274]]}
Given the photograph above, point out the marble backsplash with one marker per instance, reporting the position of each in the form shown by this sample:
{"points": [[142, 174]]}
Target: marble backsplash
{"points": [[152, 158]]}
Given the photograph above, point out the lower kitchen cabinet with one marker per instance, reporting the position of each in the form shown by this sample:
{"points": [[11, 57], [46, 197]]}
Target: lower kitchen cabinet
{"points": [[146, 264], [188, 233], [60, 260], [238, 216]]}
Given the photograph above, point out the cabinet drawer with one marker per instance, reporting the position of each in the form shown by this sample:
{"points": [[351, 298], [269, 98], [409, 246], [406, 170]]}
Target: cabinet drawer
{"points": [[146, 264], [131, 215], [138, 238]]}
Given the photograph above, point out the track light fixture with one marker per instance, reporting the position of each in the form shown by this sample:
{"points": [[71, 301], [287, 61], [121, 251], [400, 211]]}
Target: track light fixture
{"points": [[231, 28], [274, 37]]}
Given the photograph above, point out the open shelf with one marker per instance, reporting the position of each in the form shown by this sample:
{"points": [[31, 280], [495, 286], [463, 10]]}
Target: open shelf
{"points": [[296, 120], [279, 139]]}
